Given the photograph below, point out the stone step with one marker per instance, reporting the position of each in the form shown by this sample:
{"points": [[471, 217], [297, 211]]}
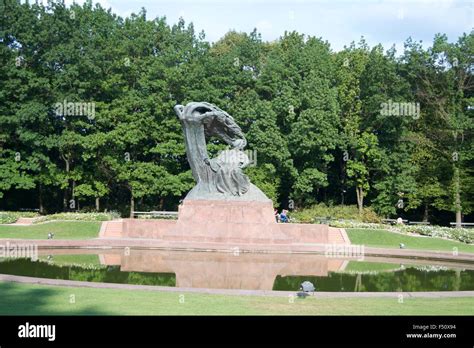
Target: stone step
{"points": [[336, 236], [111, 229]]}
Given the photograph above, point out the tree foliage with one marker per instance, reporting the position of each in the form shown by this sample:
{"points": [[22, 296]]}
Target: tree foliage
{"points": [[362, 125]]}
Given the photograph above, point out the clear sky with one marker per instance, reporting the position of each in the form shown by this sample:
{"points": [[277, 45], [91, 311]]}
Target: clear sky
{"points": [[337, 21]]}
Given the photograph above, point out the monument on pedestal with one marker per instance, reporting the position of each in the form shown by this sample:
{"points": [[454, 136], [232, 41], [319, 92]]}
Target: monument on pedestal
{"points": [[224, 209], [224, 206]]}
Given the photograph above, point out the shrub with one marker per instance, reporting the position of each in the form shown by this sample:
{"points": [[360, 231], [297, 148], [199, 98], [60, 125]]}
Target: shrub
{"points": [[79, 217], [357, 224], [10, 217], [459, 234], [338, 212]]}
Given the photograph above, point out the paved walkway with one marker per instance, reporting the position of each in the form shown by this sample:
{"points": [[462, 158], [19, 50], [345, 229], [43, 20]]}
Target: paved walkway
{"points": [[81, 284], [21, 222]]}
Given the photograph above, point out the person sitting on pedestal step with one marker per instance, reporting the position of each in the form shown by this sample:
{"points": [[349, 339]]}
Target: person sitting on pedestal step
{"points": [[284, 216], [277, 216]]}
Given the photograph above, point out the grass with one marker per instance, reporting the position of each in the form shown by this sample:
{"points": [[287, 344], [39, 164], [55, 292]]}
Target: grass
{"points": [[26, 299], [61, 230], [386, 239], [83, 259]]}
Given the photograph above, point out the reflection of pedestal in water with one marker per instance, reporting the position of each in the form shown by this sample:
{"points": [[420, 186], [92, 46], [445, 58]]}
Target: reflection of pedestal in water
{"points": [[224, 271]]}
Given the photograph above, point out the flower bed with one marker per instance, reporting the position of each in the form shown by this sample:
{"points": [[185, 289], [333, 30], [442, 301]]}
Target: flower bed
{"points": [[79, 217], [10, 217], [459, 234]]}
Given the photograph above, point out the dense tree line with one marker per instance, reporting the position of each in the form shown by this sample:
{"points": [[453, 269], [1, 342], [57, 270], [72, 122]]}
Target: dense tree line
{"points": [[87, 122]]}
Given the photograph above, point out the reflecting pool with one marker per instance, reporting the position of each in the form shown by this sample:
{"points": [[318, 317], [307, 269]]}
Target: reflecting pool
{"points": [[250, 271]]}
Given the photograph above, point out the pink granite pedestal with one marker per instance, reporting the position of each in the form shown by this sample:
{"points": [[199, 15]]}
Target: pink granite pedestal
{"points": [[230, 223]]}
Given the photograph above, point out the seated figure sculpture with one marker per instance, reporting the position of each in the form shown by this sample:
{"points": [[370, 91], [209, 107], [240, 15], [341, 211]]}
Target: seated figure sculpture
{"points": [[220, 178]]}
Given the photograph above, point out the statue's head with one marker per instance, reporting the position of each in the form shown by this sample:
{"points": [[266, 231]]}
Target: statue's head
{"points": [[223, 174]]}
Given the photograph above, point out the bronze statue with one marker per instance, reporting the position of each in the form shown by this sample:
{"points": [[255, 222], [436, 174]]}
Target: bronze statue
{"points": [[222, 177]]}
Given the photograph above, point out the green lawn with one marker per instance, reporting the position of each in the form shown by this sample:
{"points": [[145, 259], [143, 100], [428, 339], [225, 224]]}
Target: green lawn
{"points": [[386, 239], [26, 299], [61, 230], [83, 259]]}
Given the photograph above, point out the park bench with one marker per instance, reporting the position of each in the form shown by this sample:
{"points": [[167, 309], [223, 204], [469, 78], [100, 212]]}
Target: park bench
{"points": [[392, 221], [463, 224], [29, 210], [157, 214], [322, 219], [418, 223]]}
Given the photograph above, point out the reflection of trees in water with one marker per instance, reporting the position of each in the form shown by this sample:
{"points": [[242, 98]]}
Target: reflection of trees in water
{"points": [[358, 284], [409, 279], [103, 274]]}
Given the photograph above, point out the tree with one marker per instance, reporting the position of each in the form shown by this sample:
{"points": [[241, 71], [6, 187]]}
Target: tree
{"points": [[442, 78]]}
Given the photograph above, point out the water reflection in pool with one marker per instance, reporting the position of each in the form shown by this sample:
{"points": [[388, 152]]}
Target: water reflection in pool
{"points": [[244, 270]]}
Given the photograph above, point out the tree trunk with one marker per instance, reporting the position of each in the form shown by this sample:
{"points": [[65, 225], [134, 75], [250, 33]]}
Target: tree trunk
{"points": [[132, 204], [457, 281], [97, 204], [457, 198], [40, 199], [65, 197], [425, 213], [65, 200], [76, 204], [360, 199], [162, 203]]}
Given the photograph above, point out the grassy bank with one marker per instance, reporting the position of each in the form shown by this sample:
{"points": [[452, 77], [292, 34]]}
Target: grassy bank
{"points": [[61, 230], [385, 239], [361, 266], [25, 299], [82, 259]]}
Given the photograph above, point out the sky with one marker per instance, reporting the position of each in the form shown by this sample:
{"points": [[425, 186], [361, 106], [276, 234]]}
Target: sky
{"points": [[338, 21]]}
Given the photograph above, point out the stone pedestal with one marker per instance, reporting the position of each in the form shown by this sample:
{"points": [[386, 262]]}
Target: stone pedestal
{"points": [[230, 222]]}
